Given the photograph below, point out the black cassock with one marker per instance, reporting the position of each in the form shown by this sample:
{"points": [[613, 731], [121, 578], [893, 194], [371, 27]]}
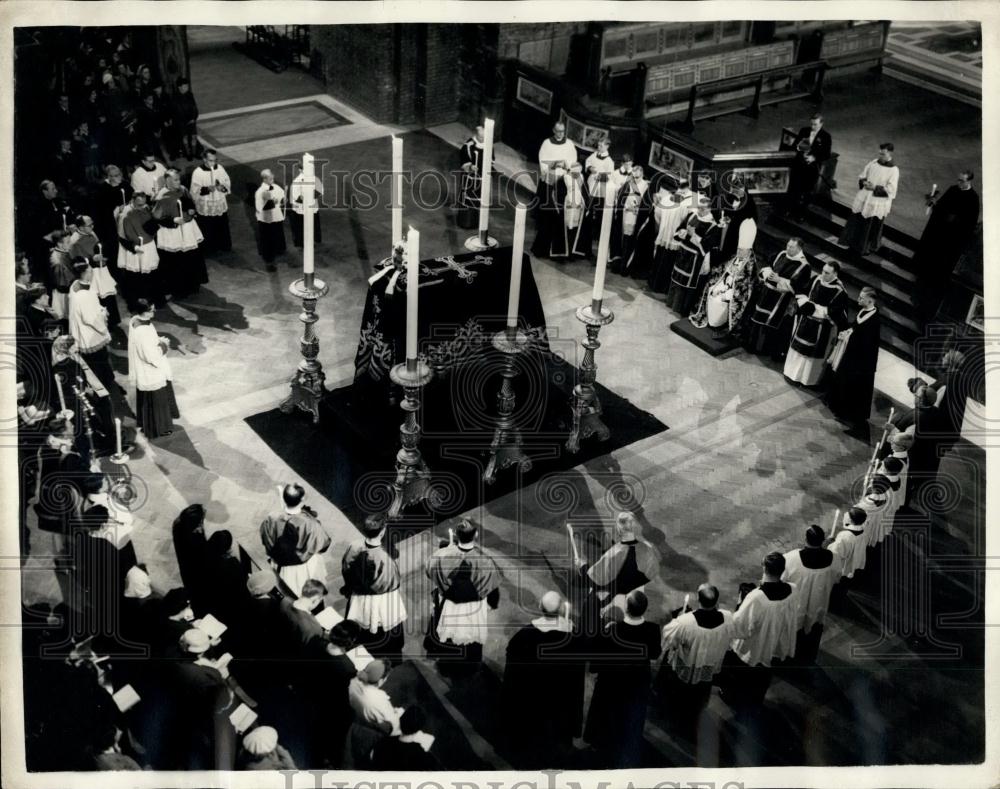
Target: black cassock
{"points": [[543, 693], [471, 189], [631, 215], [694, 239], [853, 383], [948, 232], [770, 313], [618, 709]]}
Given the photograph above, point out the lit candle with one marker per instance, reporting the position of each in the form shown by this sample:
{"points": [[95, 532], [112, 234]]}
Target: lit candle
{"points": [[308, 195], [62, 397], [412, 289], [517, 256], [484, 203], [602, 245], [118, 434], [836, 520], [98, 247], [180, 210], [64, 220], [122, 189], [396, 201]]}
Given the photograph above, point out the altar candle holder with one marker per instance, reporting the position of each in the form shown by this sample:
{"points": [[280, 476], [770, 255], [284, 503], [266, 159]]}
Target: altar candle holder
{"points": [[586, 405], [505, 448], [307, 384], [413, 478]]}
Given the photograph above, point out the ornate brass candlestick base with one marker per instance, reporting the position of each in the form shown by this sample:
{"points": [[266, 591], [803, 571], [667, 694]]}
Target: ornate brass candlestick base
{"points": [[505, 448], [307, 383], [586, 405], [480, 242], [121, 487], [413, 478]]}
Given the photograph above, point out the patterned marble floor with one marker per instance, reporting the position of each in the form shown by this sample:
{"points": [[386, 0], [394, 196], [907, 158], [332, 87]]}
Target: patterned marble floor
{"points": [[748, 463]]}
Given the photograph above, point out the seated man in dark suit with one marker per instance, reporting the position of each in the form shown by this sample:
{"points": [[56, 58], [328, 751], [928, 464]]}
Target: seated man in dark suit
{"points": [[813, 147]]}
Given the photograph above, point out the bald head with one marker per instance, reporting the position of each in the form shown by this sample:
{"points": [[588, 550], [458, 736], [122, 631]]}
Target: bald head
{"points": [[550, 603], [708, 596]]}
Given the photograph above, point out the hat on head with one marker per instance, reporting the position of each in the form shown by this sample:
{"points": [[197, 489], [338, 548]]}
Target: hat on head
{"points": [[748, 234], [261, 740], [373, 672], [175, 601], [195, 641], [261, 583]]}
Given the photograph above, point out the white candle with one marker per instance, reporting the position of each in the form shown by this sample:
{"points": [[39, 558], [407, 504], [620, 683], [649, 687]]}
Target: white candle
{"points": [[123, 196], [98, 247], [118, 435], [603, 243], [412, 290], [62, 397], [64, 220], [517, 257], [484, 203], [396, 201], [180, 210], [836, 520], [308, 230]]}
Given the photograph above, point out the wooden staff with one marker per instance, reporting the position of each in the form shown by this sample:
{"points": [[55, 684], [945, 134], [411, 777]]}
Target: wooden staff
{"points": [[878, 446], [572, 542]]}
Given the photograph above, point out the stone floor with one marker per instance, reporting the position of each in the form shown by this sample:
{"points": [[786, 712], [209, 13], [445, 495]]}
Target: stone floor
{"points": [[749, 461]]}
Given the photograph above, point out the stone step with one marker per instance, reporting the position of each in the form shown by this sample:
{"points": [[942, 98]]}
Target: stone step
{"points": [[891, 250], [876, 264]]}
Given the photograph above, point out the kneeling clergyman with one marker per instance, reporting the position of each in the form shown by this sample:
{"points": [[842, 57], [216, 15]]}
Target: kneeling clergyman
{"points": [[371, 585]]}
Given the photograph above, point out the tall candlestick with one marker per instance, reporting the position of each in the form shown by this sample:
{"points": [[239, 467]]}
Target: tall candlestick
{"points": [[603, 244], [517, 256], [118, 435], [308, 193], [62, 397], [484, 203], [396, 201], [412, 290]]}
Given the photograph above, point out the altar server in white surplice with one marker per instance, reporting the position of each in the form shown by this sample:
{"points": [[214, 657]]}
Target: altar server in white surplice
{"points": [[815, 571], [851, 543]]}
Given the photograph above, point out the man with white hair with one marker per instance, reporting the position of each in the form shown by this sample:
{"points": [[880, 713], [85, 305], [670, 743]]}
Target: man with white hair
{"points": [[627, 565], [88, 324], [269, 200], [543, 684]]}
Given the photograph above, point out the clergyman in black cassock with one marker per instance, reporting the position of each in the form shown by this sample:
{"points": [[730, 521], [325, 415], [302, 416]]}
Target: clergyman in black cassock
{"points": [[632, 213], [946, 236], [543, 686], [770, 323], [555, 156], [472, 161], [853, 363], [621, 661], [734, 206]]}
